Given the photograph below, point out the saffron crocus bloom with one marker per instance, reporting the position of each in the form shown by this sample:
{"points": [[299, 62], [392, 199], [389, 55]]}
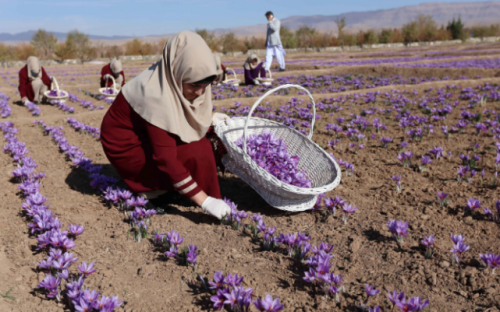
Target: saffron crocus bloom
{"points": [[398, 182], [425, 161], [86, 269], [268, 304], [76, 229], [233, 280], [348, 209], [457, 238], [370, 292], [174, 239], [385, 141], [457, 251], [473, 204], [219, 299], [395, 297], [487, 212], [399, 229], [376, 309], [442, 198], [492, 260], [218, 282], [428, 242]]}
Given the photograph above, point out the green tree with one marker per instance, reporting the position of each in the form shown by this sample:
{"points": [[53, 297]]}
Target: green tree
{"points": [[44, 43], [230, 43], [427, 28], [370, 37], [457, 29], [288, 38], [410, 32], [79, 45], [305, 36]]}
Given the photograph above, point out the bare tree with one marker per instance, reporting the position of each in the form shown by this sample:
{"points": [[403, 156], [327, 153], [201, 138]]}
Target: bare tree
{"points": [[44, 43], [340, 21]]}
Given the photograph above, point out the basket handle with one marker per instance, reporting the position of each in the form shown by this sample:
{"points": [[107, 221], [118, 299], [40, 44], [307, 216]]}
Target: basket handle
{"points": [[267, 70], [234, 73], [264, 96], [112, 79], [54, 82]]}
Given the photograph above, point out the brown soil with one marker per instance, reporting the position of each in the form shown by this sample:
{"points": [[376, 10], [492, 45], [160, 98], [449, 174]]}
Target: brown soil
{"points": [[364, 252]]}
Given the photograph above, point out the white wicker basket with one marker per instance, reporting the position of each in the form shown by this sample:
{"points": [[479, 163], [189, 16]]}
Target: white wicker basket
{"points": [[233, 82], [62, 95], [320, 167], [115, 90], [266, 81]]}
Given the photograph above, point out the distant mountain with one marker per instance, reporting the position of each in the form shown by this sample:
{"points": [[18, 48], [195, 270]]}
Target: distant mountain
{"points": [[472, 13], [27, 35]]}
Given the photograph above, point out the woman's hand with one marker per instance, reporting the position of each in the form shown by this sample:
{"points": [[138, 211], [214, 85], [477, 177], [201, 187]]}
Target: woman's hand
{"points": [[256, 82], [218, 117], [216, 207]]}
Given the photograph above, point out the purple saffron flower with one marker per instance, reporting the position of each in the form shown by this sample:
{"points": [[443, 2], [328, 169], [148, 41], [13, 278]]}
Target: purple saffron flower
{"points": [[385, 141], [219, 299], [86, 269], [487, 212], [442, 198], [395, 297], [76, 229], [233, 280], [370, 292], [268, 304], [473, 204], [348, 209], [399, 230], [428, 241], [457, 251], [218, 282]]}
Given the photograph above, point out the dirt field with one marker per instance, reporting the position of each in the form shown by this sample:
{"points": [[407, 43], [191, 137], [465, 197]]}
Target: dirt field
{"points": [[365, 252]]}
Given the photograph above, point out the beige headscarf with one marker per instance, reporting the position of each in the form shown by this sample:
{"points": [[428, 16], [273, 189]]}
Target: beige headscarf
{"points": [[33, 65], [218, 65], [116, 66], [248, 64], [156, 93]]}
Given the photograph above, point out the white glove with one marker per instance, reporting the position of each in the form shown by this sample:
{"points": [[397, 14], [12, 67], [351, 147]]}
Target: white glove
{"points": [[216, 207], [218, 117], [107, 76], [255, 81], [24, 100], [51, 78]]}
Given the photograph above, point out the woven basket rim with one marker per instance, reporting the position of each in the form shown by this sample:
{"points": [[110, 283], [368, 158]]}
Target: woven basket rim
{"points": [[292, 188], [60, 97]]}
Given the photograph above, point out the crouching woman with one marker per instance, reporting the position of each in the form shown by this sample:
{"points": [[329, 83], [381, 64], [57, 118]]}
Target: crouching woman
{"points": [[154, 134]]}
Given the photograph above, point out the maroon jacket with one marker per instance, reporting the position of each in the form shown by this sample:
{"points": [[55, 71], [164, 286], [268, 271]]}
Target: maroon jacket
{"points": [[25, 88]]}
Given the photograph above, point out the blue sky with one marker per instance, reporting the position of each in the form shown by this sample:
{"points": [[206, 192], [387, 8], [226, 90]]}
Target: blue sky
{"points": [[156, 17]]}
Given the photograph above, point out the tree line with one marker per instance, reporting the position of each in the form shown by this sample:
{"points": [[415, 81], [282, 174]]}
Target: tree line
{"points": [[79, 46]]}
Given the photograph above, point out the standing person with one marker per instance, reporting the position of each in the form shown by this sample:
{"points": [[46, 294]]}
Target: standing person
{"points": [[33, 81], [114, 68], [274, 49], [155, 133], [252, 67]]}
